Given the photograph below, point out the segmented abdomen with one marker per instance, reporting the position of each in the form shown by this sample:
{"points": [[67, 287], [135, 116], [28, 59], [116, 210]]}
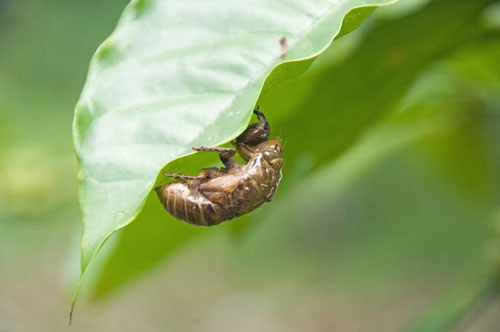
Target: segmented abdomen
{"points": [[183, 201], [210, 202], [258, 185]]}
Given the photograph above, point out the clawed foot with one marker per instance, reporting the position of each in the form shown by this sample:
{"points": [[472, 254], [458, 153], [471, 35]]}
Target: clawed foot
{"points": [[260, 115]]}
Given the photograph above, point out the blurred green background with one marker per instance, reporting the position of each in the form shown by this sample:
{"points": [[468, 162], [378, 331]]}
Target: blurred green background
{"points": [[388, 206]]}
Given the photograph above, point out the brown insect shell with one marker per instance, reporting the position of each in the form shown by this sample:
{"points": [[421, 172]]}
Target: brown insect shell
{"points": [[271, 150], [233, 192]]}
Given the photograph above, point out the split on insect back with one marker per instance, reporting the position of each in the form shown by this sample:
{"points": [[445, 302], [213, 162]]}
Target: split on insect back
{"points": [[217, 195]]}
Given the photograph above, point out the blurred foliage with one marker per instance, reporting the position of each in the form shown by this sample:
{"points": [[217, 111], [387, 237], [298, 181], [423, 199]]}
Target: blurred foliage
{"points": [[45, 48], [174, 75], [34, 181], [395, 224], [367, 85], [449, 314]]}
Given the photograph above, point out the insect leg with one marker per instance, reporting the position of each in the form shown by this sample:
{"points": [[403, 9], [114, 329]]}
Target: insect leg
{"points": [[260, 116], [255, 133], [229, 151], [183, 177], [210, 173], [225, 155]]}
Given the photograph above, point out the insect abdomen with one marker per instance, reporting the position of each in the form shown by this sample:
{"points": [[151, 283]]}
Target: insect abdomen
{"points": [[183, 201], [260, 185]]}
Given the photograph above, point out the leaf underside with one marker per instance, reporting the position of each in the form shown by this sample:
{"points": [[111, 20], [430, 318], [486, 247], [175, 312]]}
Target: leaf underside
{"points": [[179, 74]]}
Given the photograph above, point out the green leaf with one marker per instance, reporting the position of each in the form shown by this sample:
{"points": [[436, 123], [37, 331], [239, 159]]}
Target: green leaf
{"points": [[352, 95], [313, 94], [179, 74], [370, 84], [160, 238]]}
